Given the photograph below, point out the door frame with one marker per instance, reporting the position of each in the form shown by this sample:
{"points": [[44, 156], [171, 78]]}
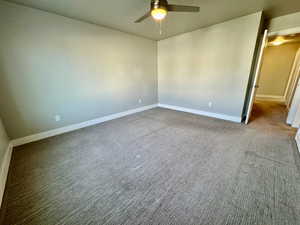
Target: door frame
{"points": [[297, 138], [293, 117], [293, 80]]}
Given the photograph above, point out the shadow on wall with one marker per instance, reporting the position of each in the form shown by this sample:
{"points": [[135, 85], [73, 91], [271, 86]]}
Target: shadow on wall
{"points": [[7, 99]]}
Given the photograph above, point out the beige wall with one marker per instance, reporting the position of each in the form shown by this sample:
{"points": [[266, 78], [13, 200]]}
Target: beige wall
{"points": [[3, 141], [51, 65], [209, 65], [284, 22], [276, 67]]}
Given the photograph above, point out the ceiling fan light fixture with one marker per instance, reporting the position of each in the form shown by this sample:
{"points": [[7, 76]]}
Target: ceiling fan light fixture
{"points": [[278, 41], [159, 13], [160, 8]]}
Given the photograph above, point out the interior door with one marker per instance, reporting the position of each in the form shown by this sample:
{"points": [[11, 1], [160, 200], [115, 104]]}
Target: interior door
{"points": [[298, 139], [257, 70], [294, 112]]}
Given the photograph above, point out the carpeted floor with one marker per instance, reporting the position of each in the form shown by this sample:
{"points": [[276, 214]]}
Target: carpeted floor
{"points": [[160, 167]]}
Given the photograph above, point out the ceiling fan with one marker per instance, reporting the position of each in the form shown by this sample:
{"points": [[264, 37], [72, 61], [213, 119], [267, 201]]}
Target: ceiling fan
{"points": [[160, 8]]}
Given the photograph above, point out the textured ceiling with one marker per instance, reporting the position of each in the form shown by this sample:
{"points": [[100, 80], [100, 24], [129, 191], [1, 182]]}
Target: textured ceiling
{"points": [[121, 14]]}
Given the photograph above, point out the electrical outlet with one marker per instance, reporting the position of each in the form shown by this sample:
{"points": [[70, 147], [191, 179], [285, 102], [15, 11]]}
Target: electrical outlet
{"points": [[140, 101], [57, 118], [210, 104]]}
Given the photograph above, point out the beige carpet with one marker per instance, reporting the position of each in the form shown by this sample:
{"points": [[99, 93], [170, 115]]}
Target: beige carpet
{"points": [[160, 167], [271, 117]]}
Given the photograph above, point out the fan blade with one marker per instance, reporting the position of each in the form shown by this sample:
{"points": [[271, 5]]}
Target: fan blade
{"points": [[183, 8], [143, 17]]}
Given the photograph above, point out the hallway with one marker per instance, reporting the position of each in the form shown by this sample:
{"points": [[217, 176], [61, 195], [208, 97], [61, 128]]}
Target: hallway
{"points": [[271, 117]]}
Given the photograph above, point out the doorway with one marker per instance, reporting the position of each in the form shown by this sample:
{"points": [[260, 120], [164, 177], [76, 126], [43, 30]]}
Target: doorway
{"points": [[276, 100]]}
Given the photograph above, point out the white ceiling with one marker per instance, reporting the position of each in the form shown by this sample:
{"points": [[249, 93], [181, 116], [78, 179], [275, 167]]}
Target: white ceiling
{"points": [[121, 14]]}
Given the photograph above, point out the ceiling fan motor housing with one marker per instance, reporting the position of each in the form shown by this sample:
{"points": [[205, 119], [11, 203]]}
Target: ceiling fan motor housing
{"points": [[159, 4]]}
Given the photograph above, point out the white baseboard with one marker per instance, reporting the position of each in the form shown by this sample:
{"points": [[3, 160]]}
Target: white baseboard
{"points": [[4, 170], [202, 113], [50, 133], [58, 131], [271, 98]]}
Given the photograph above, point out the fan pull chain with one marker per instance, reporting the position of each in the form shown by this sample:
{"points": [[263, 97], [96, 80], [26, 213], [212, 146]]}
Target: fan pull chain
{"points": [[160, 27]]}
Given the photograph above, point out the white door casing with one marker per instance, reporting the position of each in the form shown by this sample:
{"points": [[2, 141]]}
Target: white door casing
{"points": [[294, 111], [298, 139], [293, 79]]}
